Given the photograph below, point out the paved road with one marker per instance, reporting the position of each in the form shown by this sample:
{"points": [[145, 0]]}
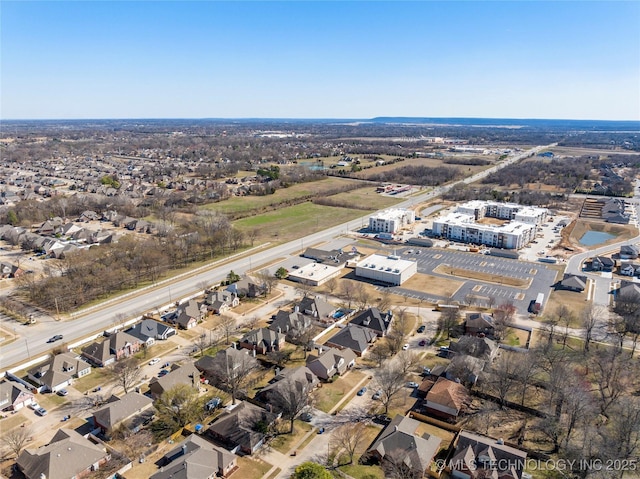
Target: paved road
{"points": [[87, 323]]}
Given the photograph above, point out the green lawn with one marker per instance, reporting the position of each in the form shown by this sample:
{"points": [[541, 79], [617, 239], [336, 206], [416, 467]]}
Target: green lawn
{"points": [[331, 393], [289, 223], [284, 442], [358, 471], [365, 197]]}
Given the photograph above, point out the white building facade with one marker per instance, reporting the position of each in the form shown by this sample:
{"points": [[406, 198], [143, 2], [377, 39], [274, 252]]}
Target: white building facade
{"points": [[387, 269], [391, 220]]}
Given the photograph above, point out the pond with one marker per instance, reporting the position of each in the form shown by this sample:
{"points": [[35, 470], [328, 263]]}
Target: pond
{"points": [[591, 238]]}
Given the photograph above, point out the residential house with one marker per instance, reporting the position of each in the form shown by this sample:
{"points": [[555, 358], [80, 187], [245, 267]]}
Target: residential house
{"points": [[291, 324], [479, 324], [573, 282], [262, 340], [629, 269], [118, 346], [331, 362], [477, 456], [148, 331], [10, 271], [477, 347], [354, 337], [300, 379], [602, 263], [219, 302], [464, 368], [447, 399], [196, 458], [628, 289], [236, 427], [132, 408], [59, 371], [232, 358], [317, 308], [629, 251], [246, 288], [186, 374], [375, 320], [189, 314], [68, 455], [14, 396], [399, 442]]}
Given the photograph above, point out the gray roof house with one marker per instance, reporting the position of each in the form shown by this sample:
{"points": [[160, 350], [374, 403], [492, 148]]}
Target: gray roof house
{"points": [[14, 396], [375, 320], [117, 346], [290, 323], [196, 458], [353, 337], [629, 251], [186, 374], [480, 456], [317, 308], [58, 372], [573, 282], [246, 287], [220, 301], [262, 340], [399, 443], [131, 406], [148, 330], [481, 348], [235, 427], [189, 314], [68, 455], [602, 263], [479, 324], [629, 269], [301, 378], [628, 289], [332, 361]]}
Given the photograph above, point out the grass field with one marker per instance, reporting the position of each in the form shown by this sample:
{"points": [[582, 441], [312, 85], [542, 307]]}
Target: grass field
{"points": [[365, 197], [246, 204], [435, 285], [576, 302], [287, 224], [330, 394], [284, 442]]}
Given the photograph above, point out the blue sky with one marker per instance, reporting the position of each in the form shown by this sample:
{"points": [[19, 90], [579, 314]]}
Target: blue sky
{"points": [[329, 59]]}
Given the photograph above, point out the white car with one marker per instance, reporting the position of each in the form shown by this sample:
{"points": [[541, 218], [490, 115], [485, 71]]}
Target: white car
{"points": [[34, 406], [405, 347], [154, 361]]}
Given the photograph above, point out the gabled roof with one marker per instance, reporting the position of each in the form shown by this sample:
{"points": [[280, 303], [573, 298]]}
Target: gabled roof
{"points": [[194, 458], [10, 390], [119, 340], [99, 351], [573, 281], [262, 337], [373, 319], [67, 455], [509, 461], [330, 358], [479, 321], [482, 348], [629, 249], [230, 357], [236, 425], [58, 369], [302, 377], [449, 394], [186, 374], [286, 321], [148, 328], [604, 261], [353, 337], [122, 408], [628, 288], [399, 440], [315, 307]]}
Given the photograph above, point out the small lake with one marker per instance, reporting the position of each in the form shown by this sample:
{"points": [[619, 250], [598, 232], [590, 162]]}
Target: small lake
{"points": [[591, 238]]}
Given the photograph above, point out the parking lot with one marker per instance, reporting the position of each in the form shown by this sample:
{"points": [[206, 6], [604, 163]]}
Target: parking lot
{"points": [[484, 293]]}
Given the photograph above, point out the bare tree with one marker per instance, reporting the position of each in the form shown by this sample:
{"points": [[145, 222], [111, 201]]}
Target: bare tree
{"points": [[565, 318], [179, 406], [384, 300], [126, 373], [251, 322], [348, 291], [349, 437], [613, 375], [380, 352], [589, 319], [389, 380], [396, 466], [202, 342], [502, 318], [577, 405], [290, 398], [16, 439], [449, 319], [331, 285], [231, 371], [252, 234], [362, 296], [408, 361], [627, 307], [226, 325], [400, 328], [502, 377], [267, 280]]}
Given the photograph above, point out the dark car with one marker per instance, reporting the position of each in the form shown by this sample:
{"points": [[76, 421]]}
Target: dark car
{"points": [[362, 391], [421, 329], [306, 417], [163, 372], [423, 342], [53, 339]]}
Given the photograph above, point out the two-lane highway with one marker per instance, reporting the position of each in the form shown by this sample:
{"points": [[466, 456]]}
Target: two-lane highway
{"points": [[33, 341]]}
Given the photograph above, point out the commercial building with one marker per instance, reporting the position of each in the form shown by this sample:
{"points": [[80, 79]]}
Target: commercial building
{"points": [[462, 225], [387, 269], [314, 274], [391, 220]]}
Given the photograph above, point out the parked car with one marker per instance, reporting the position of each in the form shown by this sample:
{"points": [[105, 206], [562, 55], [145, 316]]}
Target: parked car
{"points": [[423, 342], [405, 347], [34, 406], [154, 361], [53, 339], [213, 404], [306, 417], [41, 411], [62, 392], [421, 328], [376, 395], [163, 372], [166, 365], [412, 384], [362, 391]]}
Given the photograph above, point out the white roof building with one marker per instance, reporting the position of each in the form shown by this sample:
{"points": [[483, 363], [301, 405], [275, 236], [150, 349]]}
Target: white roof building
{"points": [[314, 274], [391, 220], [388, 269]]}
